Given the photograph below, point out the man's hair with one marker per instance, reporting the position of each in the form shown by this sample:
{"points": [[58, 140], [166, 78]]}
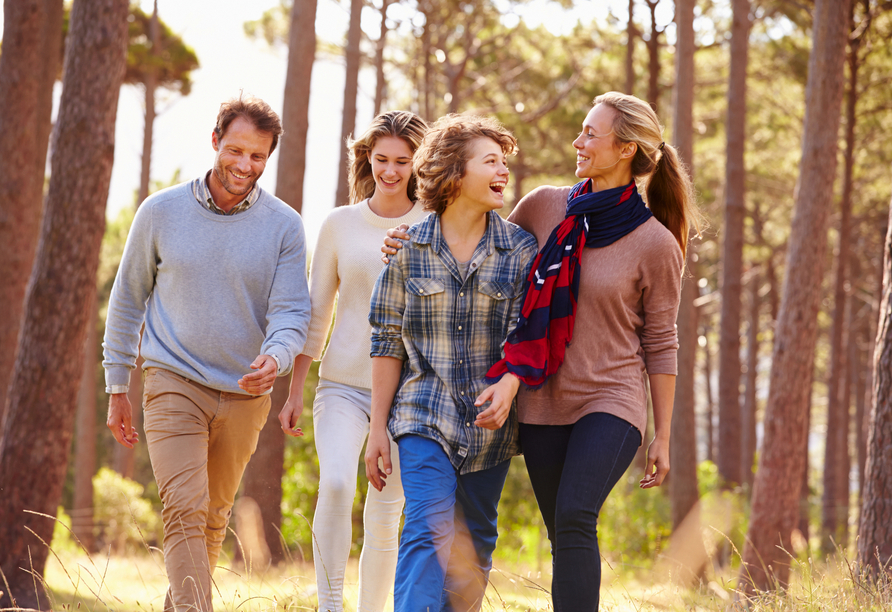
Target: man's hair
{"points": [[439, 162], [255, 111]]}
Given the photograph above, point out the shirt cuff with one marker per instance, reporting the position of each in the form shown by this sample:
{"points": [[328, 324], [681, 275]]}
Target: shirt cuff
{"points": [[278, 365], [112, 389]]}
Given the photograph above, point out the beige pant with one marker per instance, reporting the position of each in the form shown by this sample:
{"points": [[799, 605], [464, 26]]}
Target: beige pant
{"points": [[199, 441]]}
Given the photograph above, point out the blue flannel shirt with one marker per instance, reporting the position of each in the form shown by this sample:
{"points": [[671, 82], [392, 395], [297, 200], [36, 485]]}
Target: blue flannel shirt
{"points": [[448, 332]]}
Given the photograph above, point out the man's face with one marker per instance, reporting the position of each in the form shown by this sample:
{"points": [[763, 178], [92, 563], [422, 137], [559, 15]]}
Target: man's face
{"points": [[241, 157]]}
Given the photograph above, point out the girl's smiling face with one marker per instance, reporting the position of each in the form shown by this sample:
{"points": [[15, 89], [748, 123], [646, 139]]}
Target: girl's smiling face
{"points": [[486, 175], [391, 160]]}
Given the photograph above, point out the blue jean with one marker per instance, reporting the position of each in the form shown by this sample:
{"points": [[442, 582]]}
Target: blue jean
{"points": [[573, 468], [449, 533]]}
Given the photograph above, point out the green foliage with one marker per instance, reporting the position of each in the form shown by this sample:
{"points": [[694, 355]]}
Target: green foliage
{"points": [[273, 26], [63, 540], [172, 63], [126, 520], [634, 525]]}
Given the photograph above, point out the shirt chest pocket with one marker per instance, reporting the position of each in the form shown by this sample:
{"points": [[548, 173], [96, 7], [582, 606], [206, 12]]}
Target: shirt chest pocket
{"points": [[493, 302], [426, 307]]}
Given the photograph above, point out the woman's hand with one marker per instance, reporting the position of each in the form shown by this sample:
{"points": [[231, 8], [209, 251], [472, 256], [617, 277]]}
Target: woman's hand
{"points": [[501, 394], [657, 463], [394, 241], [290, 414], [378, 446]]}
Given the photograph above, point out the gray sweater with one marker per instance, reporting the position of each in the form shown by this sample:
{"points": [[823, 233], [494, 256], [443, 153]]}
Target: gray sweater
{"points": [[215, 291]]}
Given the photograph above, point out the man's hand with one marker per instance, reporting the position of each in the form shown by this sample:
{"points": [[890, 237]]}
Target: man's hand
{"points": [[501, 394], [378, 445], [261, 381], [657, 464], [290, 414], [394, 241], [120, 417]]}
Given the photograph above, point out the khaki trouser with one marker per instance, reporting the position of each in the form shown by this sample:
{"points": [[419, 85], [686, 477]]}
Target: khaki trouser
{"points": [[199, 441]]}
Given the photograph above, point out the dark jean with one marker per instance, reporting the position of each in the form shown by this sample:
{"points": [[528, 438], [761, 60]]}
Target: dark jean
{"points": [[573, 468], [450, 530]]}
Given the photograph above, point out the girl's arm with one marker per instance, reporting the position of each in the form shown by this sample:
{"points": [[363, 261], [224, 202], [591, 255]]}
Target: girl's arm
{"points": [[662, 392], [294, 406], [386, 377]]}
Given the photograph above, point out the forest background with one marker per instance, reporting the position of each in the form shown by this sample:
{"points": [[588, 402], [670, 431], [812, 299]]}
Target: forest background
{"points": [[782, 403]]}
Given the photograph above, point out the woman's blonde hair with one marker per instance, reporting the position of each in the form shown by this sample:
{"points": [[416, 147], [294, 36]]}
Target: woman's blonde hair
{"points": [[668, 188], [439, 162], [404, 125]]}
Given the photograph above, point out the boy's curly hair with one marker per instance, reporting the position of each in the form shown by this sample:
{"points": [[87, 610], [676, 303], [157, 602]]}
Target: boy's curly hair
{"points": [[439, 162]]}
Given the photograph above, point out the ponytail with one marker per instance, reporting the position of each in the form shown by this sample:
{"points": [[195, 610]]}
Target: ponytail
{"points": [[670, 196]]}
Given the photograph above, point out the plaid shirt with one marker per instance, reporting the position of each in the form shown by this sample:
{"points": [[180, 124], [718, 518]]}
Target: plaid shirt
{"points": [[449, 331], [203, 194]]}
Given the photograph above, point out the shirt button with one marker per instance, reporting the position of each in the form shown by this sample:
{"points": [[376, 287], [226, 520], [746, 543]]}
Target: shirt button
{"points": [[498, 295], [462, 294], [459, 328], [467, 424], [461, 392], [461, 361], [421, 291]]}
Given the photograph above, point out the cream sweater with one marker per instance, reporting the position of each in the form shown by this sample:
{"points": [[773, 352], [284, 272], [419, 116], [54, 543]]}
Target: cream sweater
{"points": [[346, 264]]}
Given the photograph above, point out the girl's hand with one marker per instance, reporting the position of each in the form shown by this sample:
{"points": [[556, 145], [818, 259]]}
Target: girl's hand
{"points": [[290, 414], [394, 241], [501, 394], [378, 446]]}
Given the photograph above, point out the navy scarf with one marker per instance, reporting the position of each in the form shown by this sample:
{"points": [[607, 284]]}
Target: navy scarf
{"points": [[535, 349]]}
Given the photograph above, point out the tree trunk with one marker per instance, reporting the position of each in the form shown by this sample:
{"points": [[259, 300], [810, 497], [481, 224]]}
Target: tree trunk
{"points": [[149, 125], [710, 403], [748, 438], [805, 492], [732, 252], [381, 82], [263, 476], [779, 478], [875, 530], [653, 55], [296, 107], [85, 442], [32, 45], [630, 50], [49, 363], [348, 119], [836, 481]]}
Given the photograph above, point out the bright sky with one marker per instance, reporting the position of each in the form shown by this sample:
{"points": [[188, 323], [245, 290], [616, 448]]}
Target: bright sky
{"points": [[230, 62]]}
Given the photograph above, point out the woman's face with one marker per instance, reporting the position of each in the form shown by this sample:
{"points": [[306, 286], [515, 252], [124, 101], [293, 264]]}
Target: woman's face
{"points": [[486, 174], [391, 160], [597, 153]]}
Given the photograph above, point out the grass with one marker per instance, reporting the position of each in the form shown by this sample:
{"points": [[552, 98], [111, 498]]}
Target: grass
{"points": [[131, 583]]}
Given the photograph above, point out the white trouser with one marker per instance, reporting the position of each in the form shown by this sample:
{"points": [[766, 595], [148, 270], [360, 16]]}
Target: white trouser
{"points": [[340, 427]]}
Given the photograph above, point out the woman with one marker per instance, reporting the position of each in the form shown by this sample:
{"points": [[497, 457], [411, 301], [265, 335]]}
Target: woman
{"points": [[382, 190], [609, 279], [439, 314]]}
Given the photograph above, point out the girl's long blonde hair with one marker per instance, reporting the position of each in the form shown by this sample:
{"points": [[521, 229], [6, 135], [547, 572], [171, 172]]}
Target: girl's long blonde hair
{"points": [[404, 125]]}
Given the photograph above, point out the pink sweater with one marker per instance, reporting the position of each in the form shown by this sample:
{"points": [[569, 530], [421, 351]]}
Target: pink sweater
{"points": [[625, 320]]}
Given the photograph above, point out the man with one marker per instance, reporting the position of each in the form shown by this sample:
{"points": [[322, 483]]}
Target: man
{"points": [[217, 270]]}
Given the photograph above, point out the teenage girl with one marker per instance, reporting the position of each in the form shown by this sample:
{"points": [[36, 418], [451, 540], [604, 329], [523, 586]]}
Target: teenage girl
{"points": [[343, 271]]}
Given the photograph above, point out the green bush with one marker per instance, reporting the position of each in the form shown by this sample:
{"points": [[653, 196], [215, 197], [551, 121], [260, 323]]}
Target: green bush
{"points": [[125, 519]]}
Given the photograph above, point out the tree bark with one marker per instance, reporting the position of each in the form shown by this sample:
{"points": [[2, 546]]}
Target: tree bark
{"points": [[296, 107], [49, 363], [732, 253], [653, 55], [710, 403], [85, 444], [380, 81], [875, 530], [32, 48], [263, 476], [149, 125], [630, 50], [748, 438], [351, 86], [778, 480], [834, 517]]}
